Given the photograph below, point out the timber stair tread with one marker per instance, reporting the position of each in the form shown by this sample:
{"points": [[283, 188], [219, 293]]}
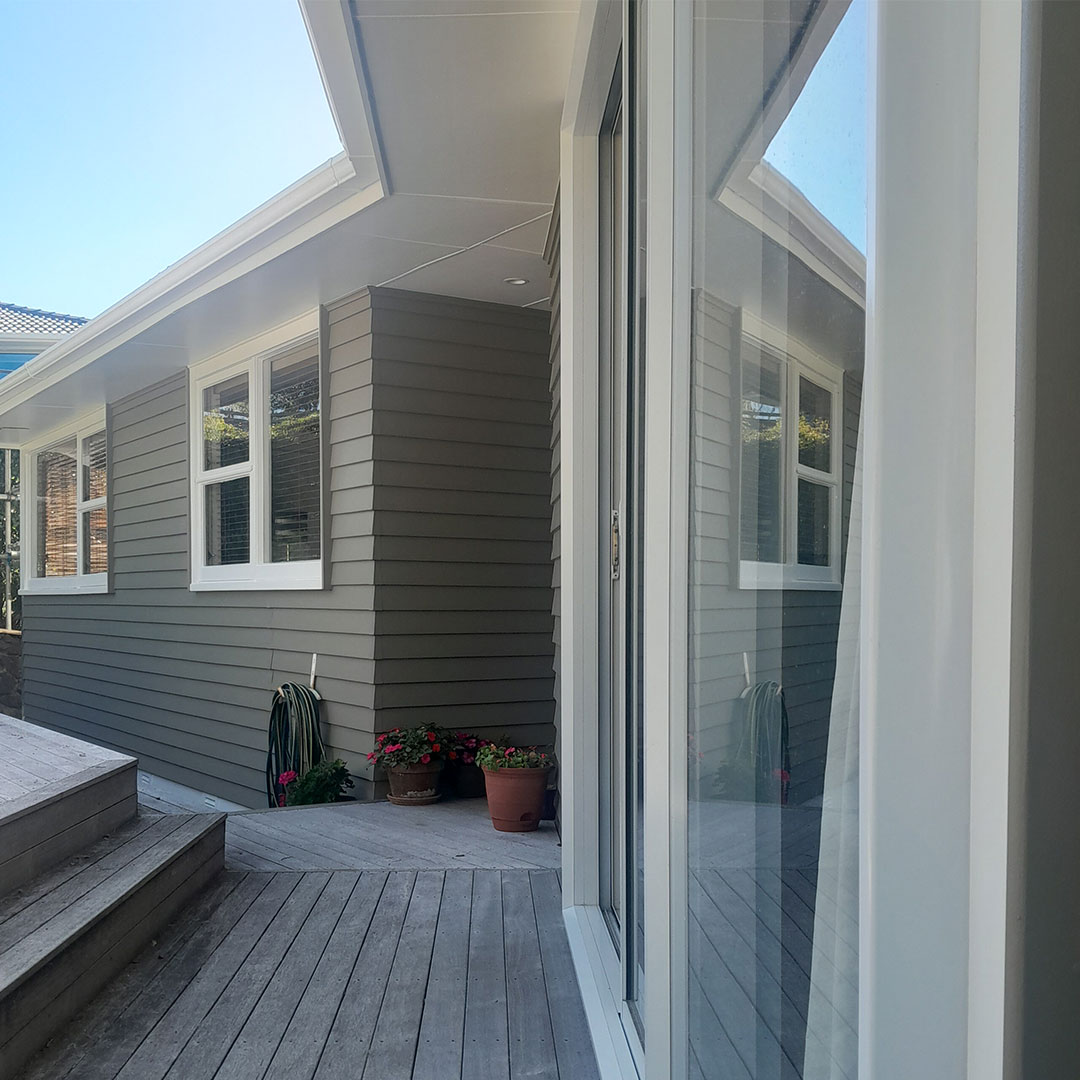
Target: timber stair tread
{"points": [[63, 935]]}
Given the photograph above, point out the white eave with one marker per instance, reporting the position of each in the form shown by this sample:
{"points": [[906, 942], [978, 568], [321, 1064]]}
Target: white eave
{"points": [[311, 205]]}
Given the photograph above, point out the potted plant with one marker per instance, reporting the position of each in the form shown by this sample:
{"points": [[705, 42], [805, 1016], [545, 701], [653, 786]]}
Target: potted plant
{"points": [[464, 777], [413, 760], [516, 779], [322, 783]]}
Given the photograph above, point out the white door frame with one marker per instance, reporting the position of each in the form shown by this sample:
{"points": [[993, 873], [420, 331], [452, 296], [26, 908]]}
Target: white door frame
{"points": [[955, 291]]}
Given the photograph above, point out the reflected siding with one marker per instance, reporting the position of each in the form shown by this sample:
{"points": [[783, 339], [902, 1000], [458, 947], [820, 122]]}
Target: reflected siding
{"points": [[788, 636]]}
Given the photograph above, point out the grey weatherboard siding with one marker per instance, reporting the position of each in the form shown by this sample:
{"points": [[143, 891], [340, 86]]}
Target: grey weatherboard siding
{"points": [[439, 608], [789, 636]]}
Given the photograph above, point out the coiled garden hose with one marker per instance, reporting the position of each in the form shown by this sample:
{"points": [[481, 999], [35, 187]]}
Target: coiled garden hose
{"points": [[295, 741]]}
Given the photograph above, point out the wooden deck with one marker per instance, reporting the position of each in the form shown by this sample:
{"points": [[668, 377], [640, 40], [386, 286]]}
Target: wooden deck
{"points": [[451, 835], [34, 759], [373, 975]]}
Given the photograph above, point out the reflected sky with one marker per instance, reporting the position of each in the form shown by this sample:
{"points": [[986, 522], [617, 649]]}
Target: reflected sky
{"points": [[821, 146]]}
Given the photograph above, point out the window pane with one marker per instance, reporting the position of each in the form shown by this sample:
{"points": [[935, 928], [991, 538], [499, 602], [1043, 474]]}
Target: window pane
{"points": [[294, 459], [815, 421], [56, 497], [761, 520], [95, 559], [771, 920], [93, 467], [225, 423], [228, 523], [813, 524]]}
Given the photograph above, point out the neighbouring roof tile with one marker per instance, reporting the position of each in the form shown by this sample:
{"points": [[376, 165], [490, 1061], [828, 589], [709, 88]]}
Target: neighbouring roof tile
{"points": [[15, 319]]}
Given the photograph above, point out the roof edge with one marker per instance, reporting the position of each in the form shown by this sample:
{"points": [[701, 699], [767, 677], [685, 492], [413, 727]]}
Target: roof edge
{"points": [[304, 209]]}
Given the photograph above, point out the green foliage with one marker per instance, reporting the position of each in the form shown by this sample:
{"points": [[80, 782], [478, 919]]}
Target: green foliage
{"points": [[415, 746], [494, 756], [322, 783], [812, 433]]}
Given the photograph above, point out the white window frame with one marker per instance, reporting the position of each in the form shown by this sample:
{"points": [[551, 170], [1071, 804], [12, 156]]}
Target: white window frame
{"points": [[253, 358], [31, 584], [797, 361]]}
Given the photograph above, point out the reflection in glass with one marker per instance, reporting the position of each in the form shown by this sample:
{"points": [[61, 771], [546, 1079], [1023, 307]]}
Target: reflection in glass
{"points": [[778, 318], [95, 540], [56, 498], [225, 423], [228, 522], [762, 433], [93, 468], [295, 459], [813, 523], [815, 421]]}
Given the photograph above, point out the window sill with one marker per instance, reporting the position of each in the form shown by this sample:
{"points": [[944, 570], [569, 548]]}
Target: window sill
{"points": [[263, 579], [58, 586], [761, 577]]}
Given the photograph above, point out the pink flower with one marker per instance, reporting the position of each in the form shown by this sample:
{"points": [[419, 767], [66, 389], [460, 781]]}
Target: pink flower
{"points": [[425, 758], [286, 777], [371, 757], [391, 749]]}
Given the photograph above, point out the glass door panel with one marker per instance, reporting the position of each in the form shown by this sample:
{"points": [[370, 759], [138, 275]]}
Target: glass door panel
{"points": [[777, 343]]}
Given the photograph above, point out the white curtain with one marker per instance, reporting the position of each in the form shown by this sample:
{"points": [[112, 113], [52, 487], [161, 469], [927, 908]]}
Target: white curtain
{"points": [[832, 1017]]}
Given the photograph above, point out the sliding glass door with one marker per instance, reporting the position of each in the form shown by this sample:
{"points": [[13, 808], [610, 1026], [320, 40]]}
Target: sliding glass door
{"points": [[777, 341], [621, 848]]}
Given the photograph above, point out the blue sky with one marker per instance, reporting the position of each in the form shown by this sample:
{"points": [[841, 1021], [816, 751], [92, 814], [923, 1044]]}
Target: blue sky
{"points": [[821, 146], [134, 130]]}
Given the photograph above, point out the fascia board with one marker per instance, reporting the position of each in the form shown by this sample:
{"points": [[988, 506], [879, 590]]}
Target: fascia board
{"points": [[313, 204], [339, 55]]}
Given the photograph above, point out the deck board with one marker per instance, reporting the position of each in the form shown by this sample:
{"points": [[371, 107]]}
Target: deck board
{"points": [[486, 1054], [384, 975], [453, 835]]}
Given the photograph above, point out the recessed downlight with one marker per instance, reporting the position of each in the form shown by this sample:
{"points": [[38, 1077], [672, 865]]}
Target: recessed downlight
{"points": [[516, 280]]}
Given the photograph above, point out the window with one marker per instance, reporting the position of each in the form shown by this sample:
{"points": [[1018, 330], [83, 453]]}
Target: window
{"points": [[257, 467], [66, 513], [790, 464]]}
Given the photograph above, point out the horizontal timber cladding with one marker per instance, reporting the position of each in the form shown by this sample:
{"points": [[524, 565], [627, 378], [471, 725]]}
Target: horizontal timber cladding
{"points": [[552, 257], [439, 601], [787, 635], [462, 455]]}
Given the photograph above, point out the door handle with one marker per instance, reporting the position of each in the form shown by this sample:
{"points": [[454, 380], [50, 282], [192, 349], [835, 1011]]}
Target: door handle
{"points": [[615, 565]]}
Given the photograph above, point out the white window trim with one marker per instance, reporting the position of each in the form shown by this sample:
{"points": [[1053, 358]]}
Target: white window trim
{"points": [[31, 585], [798, 360], [252, 357]]}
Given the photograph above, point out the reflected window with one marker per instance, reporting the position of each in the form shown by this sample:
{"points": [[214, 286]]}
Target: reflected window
{"points": [[789, 484]]}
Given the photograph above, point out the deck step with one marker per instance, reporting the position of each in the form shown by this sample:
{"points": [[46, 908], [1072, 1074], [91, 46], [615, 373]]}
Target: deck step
{"points": [[57, 795], [66, 934]]}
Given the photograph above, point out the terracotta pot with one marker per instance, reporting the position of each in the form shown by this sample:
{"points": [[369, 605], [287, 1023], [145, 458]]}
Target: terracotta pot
{"points": [[414, 785], [516, 798], [469, 782]]}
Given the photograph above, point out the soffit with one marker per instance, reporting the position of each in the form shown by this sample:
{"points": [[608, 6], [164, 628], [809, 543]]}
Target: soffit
{"points": [[468, 95]]}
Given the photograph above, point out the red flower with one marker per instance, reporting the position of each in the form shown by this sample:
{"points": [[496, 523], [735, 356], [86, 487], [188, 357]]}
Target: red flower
{"points": [[452, 756], [436, 748], [431, 736], [371, 757], [381, 739], [425, 758]]}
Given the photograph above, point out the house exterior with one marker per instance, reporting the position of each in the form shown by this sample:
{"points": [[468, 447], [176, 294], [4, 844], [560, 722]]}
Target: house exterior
{"points": [[24, 332], [557, 407]]}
